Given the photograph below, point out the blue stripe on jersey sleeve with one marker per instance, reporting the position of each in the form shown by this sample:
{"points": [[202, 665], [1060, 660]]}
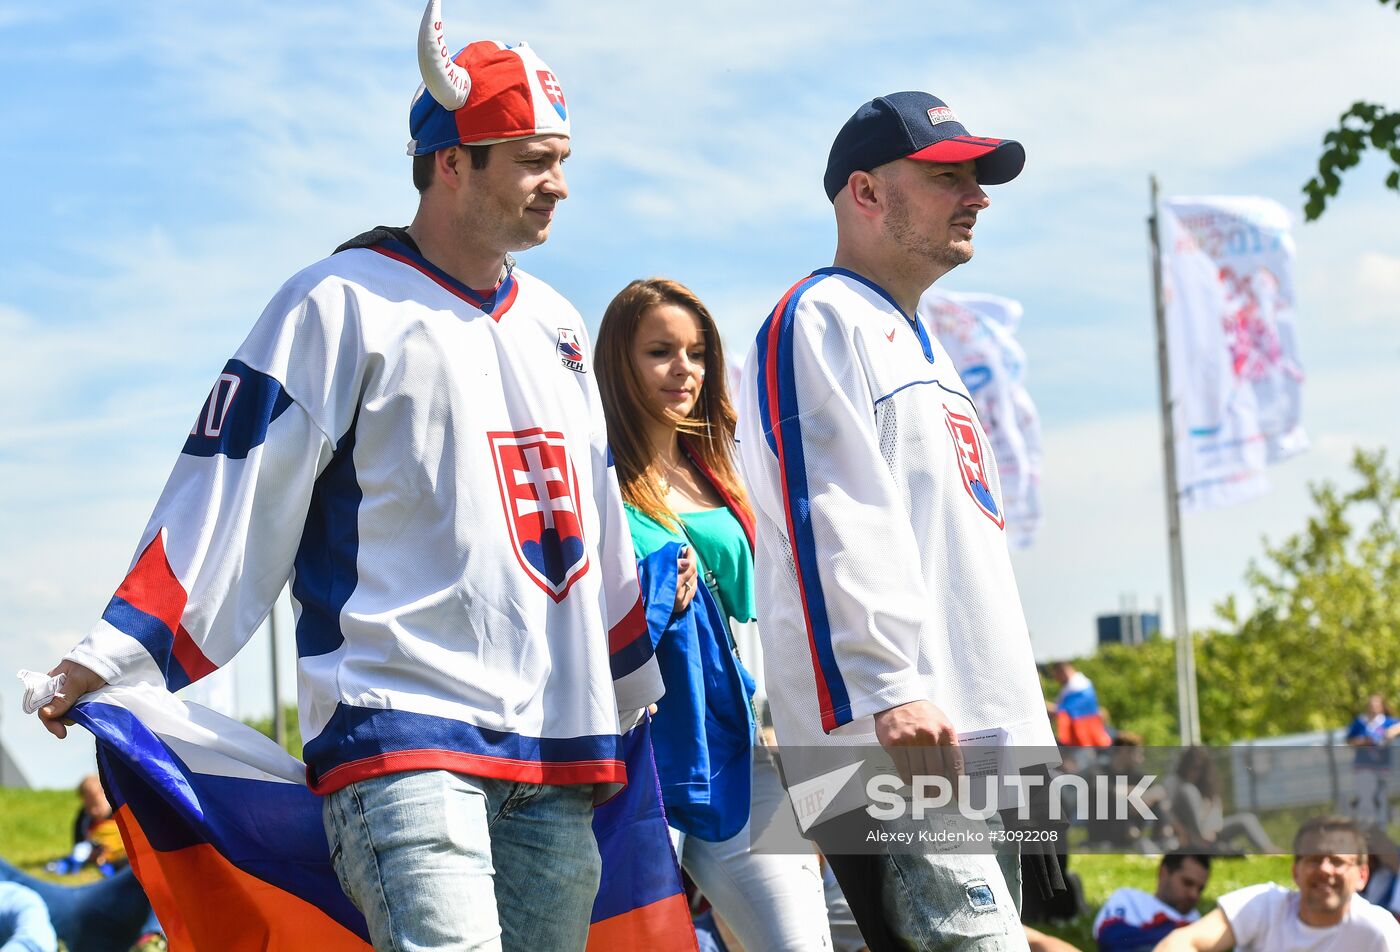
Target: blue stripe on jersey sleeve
{"points": [[237, 413], [327, 569], [630, 657], [153, 635]]}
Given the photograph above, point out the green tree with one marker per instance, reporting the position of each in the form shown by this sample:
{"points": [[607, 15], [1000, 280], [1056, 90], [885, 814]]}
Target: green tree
{"points": [[1322, 632], [289, 713], [1324, 629], [1363, 125]]}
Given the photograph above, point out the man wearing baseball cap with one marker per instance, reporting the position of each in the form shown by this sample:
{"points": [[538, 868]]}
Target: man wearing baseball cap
{"points": [[886, 600], [412, 436]]}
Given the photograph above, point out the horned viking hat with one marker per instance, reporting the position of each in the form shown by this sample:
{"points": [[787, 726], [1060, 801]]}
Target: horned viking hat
{"points": [[489, 92]]}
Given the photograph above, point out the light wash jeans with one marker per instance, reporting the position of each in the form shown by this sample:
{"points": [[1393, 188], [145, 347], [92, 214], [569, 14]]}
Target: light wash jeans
{"points": [[955, 900], [773, 902], [443, 861]]}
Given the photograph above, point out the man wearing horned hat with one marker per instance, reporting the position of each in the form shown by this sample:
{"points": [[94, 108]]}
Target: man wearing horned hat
{"points": [[411, 434]]}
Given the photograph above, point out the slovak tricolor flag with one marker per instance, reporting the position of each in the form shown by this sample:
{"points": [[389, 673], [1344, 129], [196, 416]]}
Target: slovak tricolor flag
{"points": [[641, 903], [228, 843], [1078, 720]]}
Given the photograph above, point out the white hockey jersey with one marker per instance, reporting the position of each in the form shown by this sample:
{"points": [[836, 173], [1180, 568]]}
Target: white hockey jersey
{"points": [[1135, 921], [882, 566], [428, 465]]}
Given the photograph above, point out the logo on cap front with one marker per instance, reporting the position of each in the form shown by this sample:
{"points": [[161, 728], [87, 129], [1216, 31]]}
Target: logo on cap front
{"points": [[552, 91], [941, 114]]}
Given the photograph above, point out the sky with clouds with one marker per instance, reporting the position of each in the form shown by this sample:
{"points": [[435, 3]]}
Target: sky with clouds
{"points": [[167, 166]]}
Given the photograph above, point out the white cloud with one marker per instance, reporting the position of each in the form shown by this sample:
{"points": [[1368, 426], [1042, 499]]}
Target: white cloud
{"points": [[1194, 90]]}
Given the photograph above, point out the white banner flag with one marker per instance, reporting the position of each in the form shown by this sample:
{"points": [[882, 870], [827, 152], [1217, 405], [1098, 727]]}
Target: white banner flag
{"points": [[1236, 382], [979, 333]]}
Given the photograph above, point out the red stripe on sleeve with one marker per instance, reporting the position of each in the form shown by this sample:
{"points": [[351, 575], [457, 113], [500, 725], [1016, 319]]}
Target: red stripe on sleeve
{"points": [[190, 657], [151, 587], [632, 627]]}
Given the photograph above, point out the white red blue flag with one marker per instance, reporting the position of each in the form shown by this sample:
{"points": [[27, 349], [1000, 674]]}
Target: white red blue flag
{"points": [[1078, 719], [228, 842]]}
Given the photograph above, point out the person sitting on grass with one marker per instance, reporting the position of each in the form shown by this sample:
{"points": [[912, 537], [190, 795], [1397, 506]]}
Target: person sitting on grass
{"points": [[1196, 808], [1134, 921], [1112, 824], [1324, 914], [96, 838]]}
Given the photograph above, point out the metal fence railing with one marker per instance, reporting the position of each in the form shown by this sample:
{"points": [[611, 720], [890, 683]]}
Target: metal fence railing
{"points": [[1299, 770]]}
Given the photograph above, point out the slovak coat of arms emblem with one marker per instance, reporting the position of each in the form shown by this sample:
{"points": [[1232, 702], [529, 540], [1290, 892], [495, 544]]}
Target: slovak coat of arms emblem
{"points": [[972, 464]]}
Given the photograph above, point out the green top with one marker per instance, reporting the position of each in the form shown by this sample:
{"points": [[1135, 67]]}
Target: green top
{"points": [[720, 545]]}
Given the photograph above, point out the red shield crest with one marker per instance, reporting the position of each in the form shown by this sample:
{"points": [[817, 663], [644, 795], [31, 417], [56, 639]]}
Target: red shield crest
{"points": [[972, 464], [539, 490], [552, 91]]}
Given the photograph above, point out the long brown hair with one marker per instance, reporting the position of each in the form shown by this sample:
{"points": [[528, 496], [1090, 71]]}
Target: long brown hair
{"points": [[707, 431]]}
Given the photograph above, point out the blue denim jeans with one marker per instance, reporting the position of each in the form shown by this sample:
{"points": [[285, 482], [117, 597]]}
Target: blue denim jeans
{"points": [[443, 861], [963, 900]]}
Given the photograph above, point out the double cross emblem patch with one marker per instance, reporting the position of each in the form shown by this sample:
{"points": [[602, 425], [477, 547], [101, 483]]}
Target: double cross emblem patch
{"points": [[539, 490], [972, 464], [552, 91]]}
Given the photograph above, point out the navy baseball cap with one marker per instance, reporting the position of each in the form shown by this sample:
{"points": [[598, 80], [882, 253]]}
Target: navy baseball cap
{"points": [[914, 125]]}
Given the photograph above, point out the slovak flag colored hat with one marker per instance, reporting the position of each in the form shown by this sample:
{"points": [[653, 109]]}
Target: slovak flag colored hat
{"points": [[489, 92], [915, 125]]}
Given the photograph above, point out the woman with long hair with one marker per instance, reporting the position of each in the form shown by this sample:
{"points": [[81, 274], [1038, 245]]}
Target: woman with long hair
{"points": [[1198, 812], [661, 373]]}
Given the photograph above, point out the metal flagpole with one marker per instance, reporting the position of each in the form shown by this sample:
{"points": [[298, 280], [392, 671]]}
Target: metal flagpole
{"points": [[279, 717], [1188, 710]]}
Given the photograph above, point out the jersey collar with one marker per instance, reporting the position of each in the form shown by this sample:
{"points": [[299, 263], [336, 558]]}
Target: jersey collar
{"points": [[494, 302], [916, 325]]}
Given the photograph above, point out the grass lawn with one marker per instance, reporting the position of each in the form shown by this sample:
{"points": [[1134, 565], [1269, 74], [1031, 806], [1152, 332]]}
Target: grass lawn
{"points": [[37, 826]]}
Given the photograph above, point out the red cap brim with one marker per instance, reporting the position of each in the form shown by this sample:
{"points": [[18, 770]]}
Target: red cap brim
{"points": [[998, 160]]}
